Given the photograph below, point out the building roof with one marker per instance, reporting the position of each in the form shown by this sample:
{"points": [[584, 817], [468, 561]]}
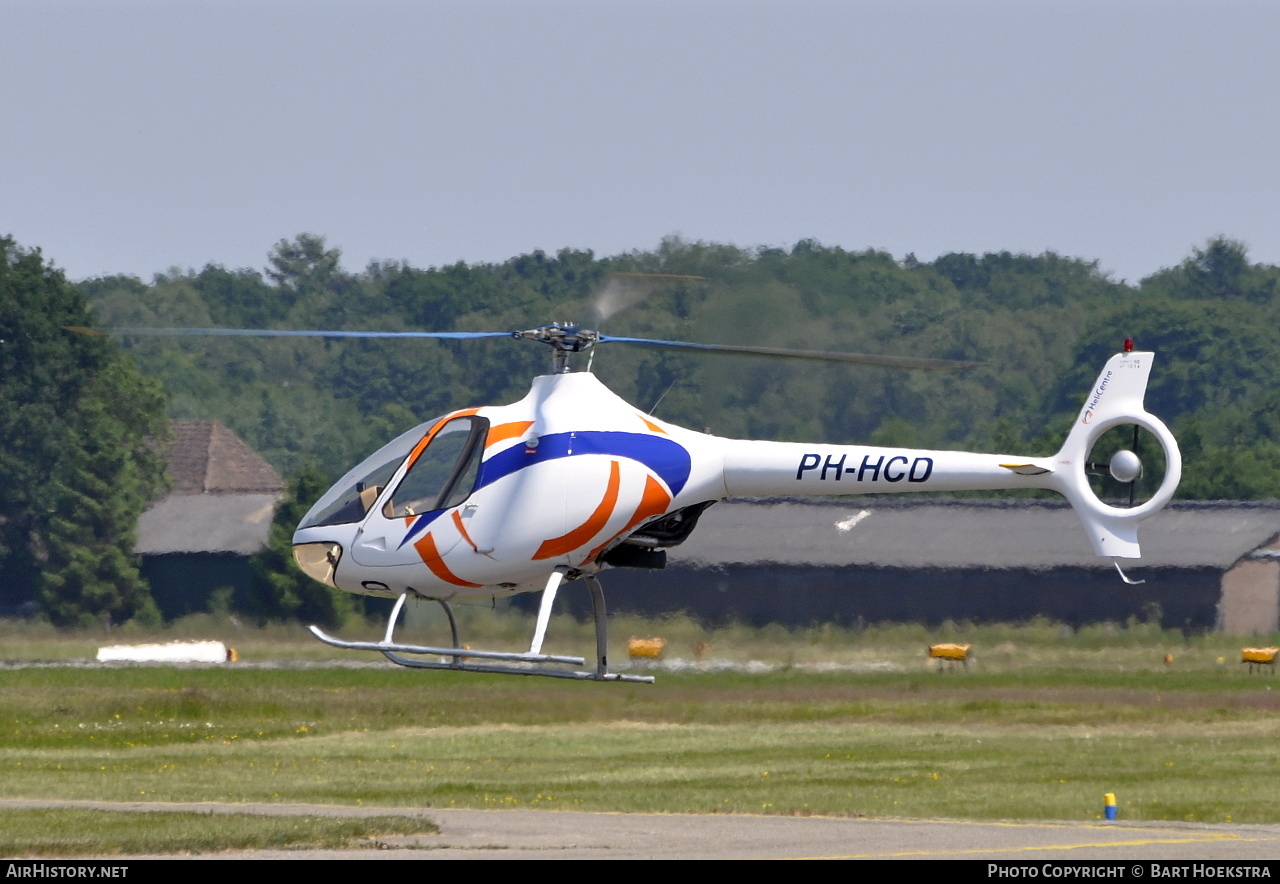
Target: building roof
{"points": [[208, 523], [223, 496], [893, 533], [207, 458]]}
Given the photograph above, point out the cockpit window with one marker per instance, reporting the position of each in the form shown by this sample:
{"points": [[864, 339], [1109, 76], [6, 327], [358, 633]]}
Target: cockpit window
{"points": [[444, 472], [352, 496]]}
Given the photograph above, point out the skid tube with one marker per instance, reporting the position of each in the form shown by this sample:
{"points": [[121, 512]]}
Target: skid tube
{"points": [[460, 658]]}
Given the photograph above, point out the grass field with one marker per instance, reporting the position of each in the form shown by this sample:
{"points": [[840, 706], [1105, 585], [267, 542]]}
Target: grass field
{"points": [[824, 721]]}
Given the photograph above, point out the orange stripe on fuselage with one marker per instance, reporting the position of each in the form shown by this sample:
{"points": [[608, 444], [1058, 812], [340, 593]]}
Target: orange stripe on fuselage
{"points": [[462, 529], [652, 503], [651, 425], [426, 548], [502, 432], [580, 536]]}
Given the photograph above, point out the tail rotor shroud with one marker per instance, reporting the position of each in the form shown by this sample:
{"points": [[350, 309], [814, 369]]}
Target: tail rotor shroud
{"points": [[1116, 400]]}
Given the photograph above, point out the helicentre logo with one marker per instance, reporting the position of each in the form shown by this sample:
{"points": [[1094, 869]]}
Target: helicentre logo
{"points": [[1097, 397]]}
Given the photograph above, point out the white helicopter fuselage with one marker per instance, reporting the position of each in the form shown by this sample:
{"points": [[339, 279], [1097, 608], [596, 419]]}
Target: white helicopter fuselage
{"points": [[490, 501]]}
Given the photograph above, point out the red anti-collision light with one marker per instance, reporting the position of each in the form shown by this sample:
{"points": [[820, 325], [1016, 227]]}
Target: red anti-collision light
{"points": [[1128, 345]]}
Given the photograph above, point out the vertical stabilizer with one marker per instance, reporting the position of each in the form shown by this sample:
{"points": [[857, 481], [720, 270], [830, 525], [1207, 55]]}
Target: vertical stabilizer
{"points": [[1115, 400]]}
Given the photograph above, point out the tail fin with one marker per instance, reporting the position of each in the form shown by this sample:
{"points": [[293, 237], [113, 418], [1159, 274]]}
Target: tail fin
{"points": [[1116, 399]]}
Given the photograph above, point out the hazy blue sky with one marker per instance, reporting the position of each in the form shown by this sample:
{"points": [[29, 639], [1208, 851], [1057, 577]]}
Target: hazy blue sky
{"points": [[139, 136]]}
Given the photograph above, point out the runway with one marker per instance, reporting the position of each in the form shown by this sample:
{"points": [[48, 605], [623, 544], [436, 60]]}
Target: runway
{"points": [[528, 834]]}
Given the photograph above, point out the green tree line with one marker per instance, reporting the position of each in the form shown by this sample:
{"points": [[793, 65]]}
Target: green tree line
{"points": [[1043, 325], [81, 453], [81, 418]]}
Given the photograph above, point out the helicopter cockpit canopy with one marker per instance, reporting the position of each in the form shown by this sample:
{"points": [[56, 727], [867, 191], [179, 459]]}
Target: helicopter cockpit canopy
{"points": [[442, 474]]}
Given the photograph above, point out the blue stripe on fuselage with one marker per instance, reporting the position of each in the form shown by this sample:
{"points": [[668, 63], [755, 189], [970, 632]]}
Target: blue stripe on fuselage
{"points": [[663, 456]]}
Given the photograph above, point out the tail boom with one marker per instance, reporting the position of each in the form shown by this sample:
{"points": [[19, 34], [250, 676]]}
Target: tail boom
{"points": [[767, 469]]}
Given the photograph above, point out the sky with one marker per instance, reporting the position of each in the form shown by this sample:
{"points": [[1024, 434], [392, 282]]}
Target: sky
{"points": [[140, 137]]}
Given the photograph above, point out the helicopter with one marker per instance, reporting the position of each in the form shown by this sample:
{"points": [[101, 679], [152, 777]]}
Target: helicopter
{"points": [[571, 480]]}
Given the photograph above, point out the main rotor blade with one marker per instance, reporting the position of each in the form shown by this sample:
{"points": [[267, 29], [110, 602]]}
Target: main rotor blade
{"points": [[281, 333], [825, 355], [913, 362]]}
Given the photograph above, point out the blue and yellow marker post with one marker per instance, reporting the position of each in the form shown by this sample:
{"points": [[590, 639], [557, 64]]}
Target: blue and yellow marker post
{"points": [[1109, 806]]}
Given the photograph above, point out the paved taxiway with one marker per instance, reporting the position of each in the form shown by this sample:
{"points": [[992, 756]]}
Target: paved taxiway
{"points": [[529, 834]]}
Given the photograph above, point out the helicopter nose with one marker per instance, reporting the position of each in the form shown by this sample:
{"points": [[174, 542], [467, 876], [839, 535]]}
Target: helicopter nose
{"points": [[318, 561]]}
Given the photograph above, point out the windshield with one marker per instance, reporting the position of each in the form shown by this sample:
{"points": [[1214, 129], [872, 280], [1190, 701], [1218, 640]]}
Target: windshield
{"points": [[349, 499], [444, 472]]}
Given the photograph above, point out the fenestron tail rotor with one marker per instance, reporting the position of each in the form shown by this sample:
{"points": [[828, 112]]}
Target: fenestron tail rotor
{"points": [[1123, 466]]}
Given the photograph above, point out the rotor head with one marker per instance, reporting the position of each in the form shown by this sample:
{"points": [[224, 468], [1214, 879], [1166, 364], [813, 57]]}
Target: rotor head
{"points": [[563, 338]]}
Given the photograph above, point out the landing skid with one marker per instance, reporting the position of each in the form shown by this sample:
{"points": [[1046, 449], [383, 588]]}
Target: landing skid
{"points": [[531, 663]]}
